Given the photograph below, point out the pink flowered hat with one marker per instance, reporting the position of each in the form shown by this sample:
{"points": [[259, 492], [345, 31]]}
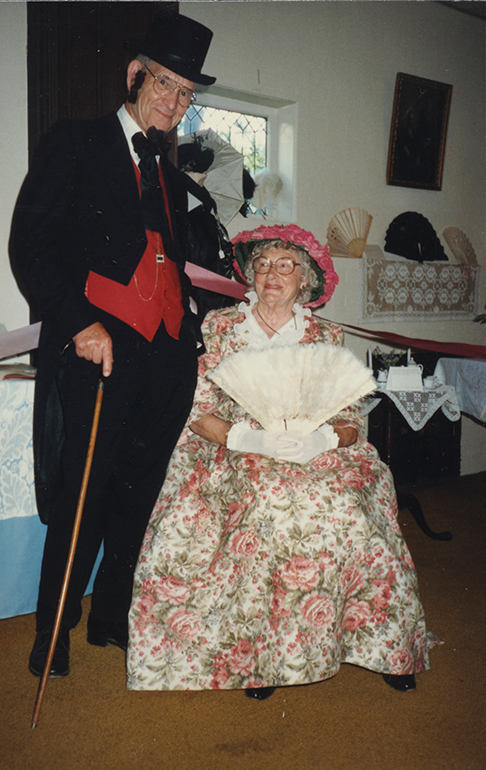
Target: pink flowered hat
{"points": [[327, 278]]}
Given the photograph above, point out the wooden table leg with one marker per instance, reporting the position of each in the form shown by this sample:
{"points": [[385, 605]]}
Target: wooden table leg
{"points": [[408, 500]]}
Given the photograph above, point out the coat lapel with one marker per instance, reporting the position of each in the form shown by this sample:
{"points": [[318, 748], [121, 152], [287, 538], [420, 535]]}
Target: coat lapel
{"points": [[115, 162]]}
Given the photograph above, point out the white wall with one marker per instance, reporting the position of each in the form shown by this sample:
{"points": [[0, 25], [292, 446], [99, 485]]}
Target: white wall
{"points": [[14, 311], [338, 62]]}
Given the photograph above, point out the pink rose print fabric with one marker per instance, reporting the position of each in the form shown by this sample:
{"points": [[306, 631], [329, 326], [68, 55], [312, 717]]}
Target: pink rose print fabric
{"points": [[257, 573]]}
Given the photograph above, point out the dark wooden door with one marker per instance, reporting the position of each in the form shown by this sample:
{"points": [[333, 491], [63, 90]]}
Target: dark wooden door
{"points": [[77, 58]]}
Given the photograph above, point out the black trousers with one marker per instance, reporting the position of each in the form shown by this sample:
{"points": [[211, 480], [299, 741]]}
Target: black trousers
{"points": [[146, 402]]}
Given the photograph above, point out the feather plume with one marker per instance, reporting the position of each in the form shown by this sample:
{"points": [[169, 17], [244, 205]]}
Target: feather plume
{"points": [[268, 188], [294, 388]]}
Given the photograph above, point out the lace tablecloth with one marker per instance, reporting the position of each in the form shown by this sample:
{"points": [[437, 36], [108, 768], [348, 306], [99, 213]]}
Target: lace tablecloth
{"points": [[21, 533], [17, 498], [406, 290], [468, 376], [418, 406]]}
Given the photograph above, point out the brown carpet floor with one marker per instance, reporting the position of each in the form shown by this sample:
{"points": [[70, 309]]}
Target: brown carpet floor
{"points": [[89, 721]]}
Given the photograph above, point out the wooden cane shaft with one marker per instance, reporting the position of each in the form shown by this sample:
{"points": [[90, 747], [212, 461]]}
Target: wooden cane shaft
{"points": [[70, 560]]}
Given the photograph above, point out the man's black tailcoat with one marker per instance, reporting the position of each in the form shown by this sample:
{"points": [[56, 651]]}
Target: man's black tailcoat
{"points": [[79, 210]]}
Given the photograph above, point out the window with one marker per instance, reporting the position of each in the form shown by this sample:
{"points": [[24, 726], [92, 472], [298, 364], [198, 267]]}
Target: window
{"points": [[245, 132], [262, 129]]}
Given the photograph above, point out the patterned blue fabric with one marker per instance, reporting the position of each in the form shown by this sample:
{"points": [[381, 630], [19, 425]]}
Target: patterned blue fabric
{"points": [[22, 534], [17, 497], [21, 547]]}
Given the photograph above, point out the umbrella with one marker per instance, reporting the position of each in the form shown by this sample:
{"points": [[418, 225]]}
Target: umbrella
{"points": [[224, 181]]}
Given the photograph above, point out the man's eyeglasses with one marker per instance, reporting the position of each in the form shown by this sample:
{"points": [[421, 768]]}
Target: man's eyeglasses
{"points": [[164, 85], [283, 266]]}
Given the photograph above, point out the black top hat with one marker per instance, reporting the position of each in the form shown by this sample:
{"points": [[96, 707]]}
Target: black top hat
{"points": [[178, 43]]}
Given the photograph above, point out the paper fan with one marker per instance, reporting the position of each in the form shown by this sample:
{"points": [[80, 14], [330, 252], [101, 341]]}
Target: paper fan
{"points": [[348, 231], [460, 245], [294, 388]]}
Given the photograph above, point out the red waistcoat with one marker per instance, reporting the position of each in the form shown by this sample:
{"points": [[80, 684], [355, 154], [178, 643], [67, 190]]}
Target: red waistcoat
{"points": [[153, 294]]}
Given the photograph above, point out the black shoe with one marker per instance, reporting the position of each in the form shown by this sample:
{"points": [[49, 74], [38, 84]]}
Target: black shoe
{"points": [[259, 693], [400, 682], [103, 634], [60, 660]]}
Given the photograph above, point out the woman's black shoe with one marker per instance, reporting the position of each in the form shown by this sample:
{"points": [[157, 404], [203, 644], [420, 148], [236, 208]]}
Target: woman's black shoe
{"points": [[259, 693], [400, 682]]}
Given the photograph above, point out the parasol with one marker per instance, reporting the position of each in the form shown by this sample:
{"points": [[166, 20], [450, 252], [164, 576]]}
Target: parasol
{"points": [[224, 181]]}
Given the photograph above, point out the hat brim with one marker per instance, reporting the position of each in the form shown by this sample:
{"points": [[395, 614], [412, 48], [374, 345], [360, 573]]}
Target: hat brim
{"points": [[320, 256], [136, 47], [242, 253]]}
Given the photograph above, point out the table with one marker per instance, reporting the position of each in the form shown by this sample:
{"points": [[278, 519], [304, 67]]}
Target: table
{"points": [[468, 377], [417, 407], [22, 534]]}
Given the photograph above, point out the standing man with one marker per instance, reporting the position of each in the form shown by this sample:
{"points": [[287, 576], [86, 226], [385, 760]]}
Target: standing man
{"points": [[98, 243]]}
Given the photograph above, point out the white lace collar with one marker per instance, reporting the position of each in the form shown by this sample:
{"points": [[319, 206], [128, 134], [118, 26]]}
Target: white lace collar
{"points": [[251, 331]]}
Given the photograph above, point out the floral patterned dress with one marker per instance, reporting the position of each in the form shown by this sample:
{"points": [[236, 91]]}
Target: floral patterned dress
{"points": [[257, 573]]}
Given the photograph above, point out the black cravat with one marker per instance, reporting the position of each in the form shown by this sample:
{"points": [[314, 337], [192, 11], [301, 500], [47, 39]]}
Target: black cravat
{"points": [[153, 205]]}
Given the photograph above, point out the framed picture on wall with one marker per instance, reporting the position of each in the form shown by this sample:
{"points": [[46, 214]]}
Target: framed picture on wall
{"points": [[418, 132]]}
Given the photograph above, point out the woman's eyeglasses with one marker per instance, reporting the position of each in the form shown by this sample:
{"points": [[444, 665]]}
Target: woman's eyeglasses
{"points": [[283, 266]]}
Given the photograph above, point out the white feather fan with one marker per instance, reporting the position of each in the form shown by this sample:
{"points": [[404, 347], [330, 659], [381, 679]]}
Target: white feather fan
{"points": [[294, 388], [460, 245], [348, 231]]}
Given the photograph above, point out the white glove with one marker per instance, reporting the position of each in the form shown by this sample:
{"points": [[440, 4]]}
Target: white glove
{"points": [[241, 438], [302, 448]]}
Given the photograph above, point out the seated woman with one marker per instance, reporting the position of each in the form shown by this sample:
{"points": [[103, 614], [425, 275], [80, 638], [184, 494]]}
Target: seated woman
{"points": [[262, 568]]}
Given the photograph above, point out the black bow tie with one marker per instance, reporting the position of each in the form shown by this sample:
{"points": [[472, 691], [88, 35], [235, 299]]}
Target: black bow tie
{"points": [[152, 200], [142, 146], [159, 138], [153, 205], [155, 142]]}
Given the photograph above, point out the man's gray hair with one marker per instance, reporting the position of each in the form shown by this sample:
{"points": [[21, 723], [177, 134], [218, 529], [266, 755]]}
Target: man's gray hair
{"points": [[145, 60]]}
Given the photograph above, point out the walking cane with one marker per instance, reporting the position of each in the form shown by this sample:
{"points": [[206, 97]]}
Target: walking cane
{"points": [[70, 560]]}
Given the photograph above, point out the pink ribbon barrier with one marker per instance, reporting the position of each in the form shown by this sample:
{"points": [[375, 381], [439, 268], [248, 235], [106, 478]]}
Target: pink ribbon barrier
{"points": [[27, 338], [460, 349], [19, 341], [205, 279]]}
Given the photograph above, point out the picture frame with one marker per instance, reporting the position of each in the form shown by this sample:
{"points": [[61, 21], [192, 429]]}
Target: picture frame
{"points": [[418, 132]]}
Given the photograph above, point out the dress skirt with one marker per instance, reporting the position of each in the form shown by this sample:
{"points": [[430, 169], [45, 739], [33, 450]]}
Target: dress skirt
{"points": [[261, 573]]}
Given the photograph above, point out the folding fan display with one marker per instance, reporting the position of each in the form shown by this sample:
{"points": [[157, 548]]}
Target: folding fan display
{"points": [[294, 388], [460, 245], [348, 231]]}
